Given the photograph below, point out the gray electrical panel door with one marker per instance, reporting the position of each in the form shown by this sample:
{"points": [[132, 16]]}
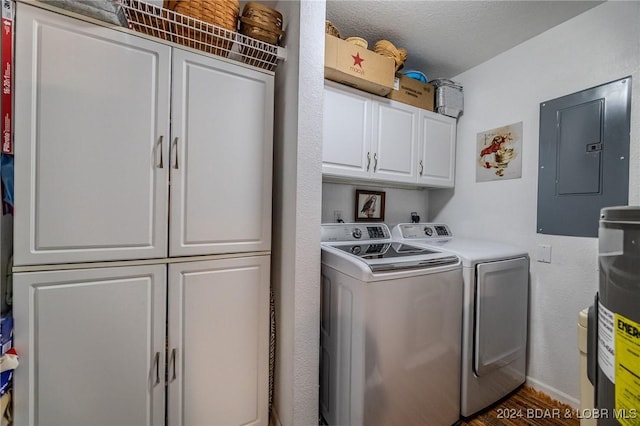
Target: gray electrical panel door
{"points": [[584, 158]]}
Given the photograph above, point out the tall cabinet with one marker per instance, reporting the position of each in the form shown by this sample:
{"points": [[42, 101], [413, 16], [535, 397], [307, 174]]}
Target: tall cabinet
{"points": [[142, 230]]}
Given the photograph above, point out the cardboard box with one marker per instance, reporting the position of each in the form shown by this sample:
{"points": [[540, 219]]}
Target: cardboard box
{"points": [[413, 92], [357, 67]]}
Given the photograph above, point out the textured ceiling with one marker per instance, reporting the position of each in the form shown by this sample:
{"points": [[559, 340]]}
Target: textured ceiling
{"points": [[445, 38]]}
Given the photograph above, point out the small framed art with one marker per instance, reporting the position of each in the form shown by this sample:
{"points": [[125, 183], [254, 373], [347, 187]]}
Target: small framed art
{"points": [[369, 206]]}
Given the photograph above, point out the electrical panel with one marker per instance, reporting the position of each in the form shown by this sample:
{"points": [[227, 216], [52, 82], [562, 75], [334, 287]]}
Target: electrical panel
{"points": [[583, 158]]}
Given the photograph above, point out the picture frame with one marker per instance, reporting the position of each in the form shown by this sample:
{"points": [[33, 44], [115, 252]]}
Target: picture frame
{"points": [[499, 153], [369, 206]]}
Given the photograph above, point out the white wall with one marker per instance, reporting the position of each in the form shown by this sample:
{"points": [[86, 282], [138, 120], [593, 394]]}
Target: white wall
{"points": [[596, 47], [296, 213], [399, 202]]}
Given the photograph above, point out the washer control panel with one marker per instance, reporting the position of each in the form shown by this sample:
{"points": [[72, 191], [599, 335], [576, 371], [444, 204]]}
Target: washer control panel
{"points": [[354, 232], [423, 230]]}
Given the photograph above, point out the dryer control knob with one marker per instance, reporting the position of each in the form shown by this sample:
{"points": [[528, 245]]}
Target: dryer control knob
{"points": [[428, 231], [357, 233]]}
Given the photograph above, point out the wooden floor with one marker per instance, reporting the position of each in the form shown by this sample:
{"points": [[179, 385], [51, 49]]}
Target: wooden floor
{"points": [[525, 407]]}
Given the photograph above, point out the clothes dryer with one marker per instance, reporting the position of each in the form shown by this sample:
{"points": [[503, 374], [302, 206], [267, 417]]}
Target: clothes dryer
{"points": [[495, 313]]}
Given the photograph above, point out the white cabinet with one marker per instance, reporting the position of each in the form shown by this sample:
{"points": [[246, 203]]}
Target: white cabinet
{"points": [[91, 345], [437, 150], [346, 140], [143, 189], [221, 156], [394, 138], [95, 153], [91, 118], [369, 138], [364, 138], [218, 342]]}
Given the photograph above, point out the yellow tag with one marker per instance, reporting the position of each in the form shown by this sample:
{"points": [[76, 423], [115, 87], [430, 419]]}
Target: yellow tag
{"points": [[627, 350]]}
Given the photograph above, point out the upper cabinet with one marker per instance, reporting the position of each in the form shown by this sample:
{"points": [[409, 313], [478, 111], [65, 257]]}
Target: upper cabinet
{"points": [[393, 141], [367, 137], [346, 144], [103, 125], [437, 150]]}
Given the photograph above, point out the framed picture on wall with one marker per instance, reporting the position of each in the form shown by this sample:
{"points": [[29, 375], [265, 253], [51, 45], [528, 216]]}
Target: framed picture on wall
{"points": [[499, 153], [369, 206]]}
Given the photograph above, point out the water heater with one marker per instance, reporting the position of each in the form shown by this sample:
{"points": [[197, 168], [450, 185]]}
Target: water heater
{"points": [[617, 314]]}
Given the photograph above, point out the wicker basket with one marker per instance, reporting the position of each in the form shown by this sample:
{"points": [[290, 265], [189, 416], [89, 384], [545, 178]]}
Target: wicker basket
{"points": [[264, 15], [261, 22], [358, 41], [221, 13], [331, 29], [386, 48]]}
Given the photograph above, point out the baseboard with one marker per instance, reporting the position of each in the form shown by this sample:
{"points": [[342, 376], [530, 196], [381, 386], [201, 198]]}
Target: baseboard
{"points": [[274, 420], [553, 392]]}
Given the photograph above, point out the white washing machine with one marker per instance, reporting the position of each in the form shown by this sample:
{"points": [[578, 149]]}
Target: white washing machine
{"points": [[390, 330], [494, 324]]}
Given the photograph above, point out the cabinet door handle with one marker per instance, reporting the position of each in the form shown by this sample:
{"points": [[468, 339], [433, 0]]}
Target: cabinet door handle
{"points": [[156, 361], [421, 167], [173, 363], [368, 160], [375, 161], [175, 148], [161, 145]]}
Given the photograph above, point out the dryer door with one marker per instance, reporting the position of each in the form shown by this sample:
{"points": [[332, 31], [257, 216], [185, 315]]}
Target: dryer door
{"points": [[502, 290]]}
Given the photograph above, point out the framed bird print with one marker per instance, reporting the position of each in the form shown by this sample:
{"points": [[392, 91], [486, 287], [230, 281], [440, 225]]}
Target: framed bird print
{"points": [[369, 206]]}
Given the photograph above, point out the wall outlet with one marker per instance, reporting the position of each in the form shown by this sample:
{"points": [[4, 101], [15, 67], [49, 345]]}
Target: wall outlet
{"points": [[544, 253], [338, 216]]}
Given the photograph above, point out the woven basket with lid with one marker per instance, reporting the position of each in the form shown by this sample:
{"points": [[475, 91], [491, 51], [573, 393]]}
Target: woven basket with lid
{"points": [[261, 22], [221, 13]]}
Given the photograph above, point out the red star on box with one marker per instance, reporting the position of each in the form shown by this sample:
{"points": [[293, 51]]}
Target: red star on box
{"points": [[357, 60]]}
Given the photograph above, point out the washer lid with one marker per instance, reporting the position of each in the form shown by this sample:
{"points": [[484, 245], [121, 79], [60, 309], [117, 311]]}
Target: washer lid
{"points": [[394, 256]]}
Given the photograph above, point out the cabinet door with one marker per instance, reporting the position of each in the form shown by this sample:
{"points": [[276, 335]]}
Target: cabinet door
{"points": [[395, 133], [221, 157], [91, 345], [437, 150], [218, 342], [92, 114], [346, 132]]}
